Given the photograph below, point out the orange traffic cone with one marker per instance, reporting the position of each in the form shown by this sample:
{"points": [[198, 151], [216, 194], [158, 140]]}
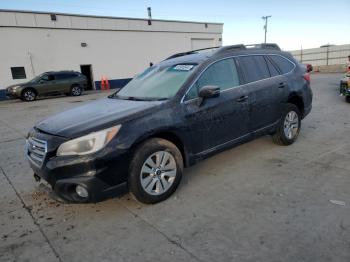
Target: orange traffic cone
{"points": [[103, 84], [107, 87]]}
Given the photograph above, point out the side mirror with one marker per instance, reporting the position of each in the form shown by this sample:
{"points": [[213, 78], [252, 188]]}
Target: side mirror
{"points": [[209, 91]]}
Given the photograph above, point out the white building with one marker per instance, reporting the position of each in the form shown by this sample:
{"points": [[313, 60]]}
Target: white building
{"points": [[35, 42]]}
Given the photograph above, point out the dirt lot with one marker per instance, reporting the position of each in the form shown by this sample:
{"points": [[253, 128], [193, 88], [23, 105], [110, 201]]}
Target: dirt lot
{"points": [[256, 202]]}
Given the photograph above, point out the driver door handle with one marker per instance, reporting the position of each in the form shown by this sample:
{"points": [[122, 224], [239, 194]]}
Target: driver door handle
{"points": [[282, 85], [242, 99]]}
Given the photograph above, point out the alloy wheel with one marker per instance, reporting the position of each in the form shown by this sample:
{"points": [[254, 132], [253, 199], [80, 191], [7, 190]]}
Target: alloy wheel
{"points": [[158, 173], [291, 125], [29, 95], [76, 90]]}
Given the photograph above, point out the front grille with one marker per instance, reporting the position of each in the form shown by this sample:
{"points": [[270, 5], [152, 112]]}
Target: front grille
{"points": [[36, 150]]}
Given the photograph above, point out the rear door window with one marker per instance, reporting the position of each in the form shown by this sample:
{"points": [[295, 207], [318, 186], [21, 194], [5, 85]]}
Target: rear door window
{"points": [[222, 74], [283, 64], [65, 76], [254, 68]]}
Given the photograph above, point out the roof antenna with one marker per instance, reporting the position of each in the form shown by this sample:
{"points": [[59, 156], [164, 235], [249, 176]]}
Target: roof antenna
{"points": [[149, 10]]}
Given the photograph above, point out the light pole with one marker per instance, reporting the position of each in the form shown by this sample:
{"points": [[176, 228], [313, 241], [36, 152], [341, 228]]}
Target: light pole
{"points": [[265, 26]]}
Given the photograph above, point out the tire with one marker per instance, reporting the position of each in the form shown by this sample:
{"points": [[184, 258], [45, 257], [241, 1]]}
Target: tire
{"points": [[76, 90], [287, 131], [150, 180], [28, 95], [347, 99]]}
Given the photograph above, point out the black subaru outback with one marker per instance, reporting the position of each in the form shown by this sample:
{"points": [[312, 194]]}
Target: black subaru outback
{"points": [[174, 114]]}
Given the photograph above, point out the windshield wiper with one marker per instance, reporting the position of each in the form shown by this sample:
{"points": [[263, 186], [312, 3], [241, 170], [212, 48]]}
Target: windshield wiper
{"points": [[133, 98], [159, 99]]}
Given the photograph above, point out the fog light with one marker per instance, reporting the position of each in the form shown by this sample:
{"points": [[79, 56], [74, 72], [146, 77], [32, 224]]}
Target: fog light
{"points": [[81, 191]]}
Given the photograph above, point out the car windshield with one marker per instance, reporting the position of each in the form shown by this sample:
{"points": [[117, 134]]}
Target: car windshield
{"points": [[156, 83], [37, 78]]}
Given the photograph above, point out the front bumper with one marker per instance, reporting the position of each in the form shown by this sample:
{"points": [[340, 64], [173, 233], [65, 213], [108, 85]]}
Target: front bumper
{"points": [[11, 93], [102, 175]]}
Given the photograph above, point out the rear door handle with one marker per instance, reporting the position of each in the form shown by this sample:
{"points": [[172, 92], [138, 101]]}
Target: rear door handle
{"points": [[282, 85], [242, 99]]}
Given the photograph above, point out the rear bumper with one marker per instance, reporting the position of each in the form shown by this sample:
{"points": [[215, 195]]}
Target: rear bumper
{"points": [[307, 110], [307, 100]]}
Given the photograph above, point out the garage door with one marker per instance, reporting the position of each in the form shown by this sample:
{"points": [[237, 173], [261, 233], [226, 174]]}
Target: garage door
{"points": [[199, 43]]}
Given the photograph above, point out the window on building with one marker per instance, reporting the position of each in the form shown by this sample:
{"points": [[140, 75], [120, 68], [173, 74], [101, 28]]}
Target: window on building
{"points": [[284, 65], [254, 68], [18, 72]]}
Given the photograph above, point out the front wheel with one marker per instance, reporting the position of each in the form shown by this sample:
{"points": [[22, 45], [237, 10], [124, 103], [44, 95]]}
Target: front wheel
{"points": [[28, 95], [289, 126], [76, 90], [155, 171], [347, 98]]}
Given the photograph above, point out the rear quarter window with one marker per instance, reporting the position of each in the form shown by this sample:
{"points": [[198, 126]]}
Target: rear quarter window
{"points": [[282, 63]]}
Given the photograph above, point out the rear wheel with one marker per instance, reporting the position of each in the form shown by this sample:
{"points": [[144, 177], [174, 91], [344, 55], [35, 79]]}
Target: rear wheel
{"points": [[76, 90], [155, 171], [347, 98], [289, 127], [28, 95]]}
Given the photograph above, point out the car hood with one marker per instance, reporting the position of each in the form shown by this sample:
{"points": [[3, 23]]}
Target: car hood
{"points": [[94, 116]]}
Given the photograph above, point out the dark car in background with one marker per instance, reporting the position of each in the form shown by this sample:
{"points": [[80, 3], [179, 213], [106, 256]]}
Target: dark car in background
{"points": [[174, 114], [49, 83]]}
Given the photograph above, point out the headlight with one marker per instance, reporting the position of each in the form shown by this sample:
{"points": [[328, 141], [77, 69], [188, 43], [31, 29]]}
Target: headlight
{"points": [[88, 144]]}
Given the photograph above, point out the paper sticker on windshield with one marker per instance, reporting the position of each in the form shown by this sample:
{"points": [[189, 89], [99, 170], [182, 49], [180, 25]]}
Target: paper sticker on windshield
{"points": [[183, 67]]}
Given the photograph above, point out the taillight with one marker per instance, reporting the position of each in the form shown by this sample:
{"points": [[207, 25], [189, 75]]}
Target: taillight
{"points": [[307, 77]]}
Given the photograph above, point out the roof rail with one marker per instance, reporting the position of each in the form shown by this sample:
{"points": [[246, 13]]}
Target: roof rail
{"points": [[264, 46], [230, 48], [243, 47], [190, 52], [224, 49]]}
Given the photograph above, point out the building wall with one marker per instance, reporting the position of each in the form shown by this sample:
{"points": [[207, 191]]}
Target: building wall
{"points": [[116, 47], [332, 55]]}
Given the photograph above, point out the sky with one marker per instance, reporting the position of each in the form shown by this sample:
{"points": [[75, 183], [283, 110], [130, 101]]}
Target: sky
{"points": [[294, 24]]}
